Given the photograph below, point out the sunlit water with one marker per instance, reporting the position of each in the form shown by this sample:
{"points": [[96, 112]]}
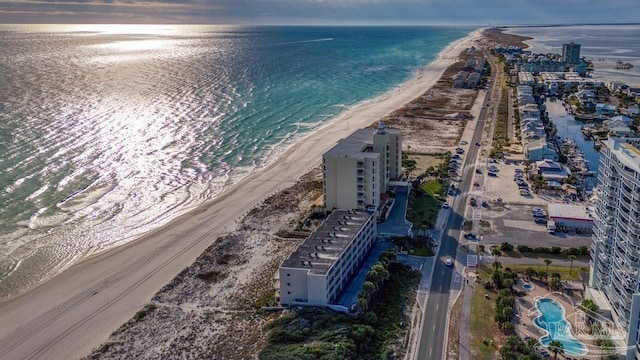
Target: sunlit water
{"points": [[107, 132]]}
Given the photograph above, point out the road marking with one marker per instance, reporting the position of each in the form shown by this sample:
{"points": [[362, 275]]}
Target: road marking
{"points": [[437, 307], [430, 352]]}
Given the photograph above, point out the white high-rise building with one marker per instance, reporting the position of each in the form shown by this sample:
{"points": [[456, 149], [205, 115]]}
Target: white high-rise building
{"points": [[358, 169], [615, 267]]}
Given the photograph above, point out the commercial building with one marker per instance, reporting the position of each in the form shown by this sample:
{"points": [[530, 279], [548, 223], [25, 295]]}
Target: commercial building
{"points": [[323, 264], [571, 216], [571, 53], [358, 169], [615, 265]]}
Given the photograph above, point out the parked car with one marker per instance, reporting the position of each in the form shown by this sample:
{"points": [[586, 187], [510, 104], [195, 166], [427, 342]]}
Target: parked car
{"points": [[463, 142], [485, 204], [445, 205], [525, 192], [448, 261], [473, 202], [540, 220], [478, 171], [492, 174]]}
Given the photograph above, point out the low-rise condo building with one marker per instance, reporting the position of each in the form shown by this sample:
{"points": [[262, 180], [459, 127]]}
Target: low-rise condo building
{"points": [[615, 265], [358, 169], [323, 264]]}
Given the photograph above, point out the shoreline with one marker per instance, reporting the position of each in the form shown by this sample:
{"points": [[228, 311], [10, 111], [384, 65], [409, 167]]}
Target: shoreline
{"points": [[73, 312]]}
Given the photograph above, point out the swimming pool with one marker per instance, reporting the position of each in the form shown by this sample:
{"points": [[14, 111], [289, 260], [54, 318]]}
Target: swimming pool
{"points": [[528, 286], [552, 320]]}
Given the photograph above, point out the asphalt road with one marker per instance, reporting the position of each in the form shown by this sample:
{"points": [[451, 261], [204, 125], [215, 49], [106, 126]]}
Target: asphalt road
{"points": [[433, 336]]}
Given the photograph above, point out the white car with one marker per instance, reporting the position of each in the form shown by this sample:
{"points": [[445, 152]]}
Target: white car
{"points": [[448, 261], [445, 205]]}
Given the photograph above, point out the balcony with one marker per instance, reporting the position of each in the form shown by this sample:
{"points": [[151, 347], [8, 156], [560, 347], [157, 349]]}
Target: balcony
{"points": [[360, 165]]}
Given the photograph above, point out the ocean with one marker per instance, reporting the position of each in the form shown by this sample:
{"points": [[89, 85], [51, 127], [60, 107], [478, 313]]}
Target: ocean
{"points": [[110, 131]]}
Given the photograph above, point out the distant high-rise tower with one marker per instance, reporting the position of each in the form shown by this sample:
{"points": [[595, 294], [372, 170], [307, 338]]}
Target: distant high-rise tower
{"points": [[571, 53]]}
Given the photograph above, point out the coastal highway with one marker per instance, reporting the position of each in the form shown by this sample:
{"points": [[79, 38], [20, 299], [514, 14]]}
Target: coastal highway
{"points": [[433, 336]]}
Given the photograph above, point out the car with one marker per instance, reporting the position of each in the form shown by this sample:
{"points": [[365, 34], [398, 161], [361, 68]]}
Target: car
{"points": [[535, 209], [540, 220], [485, 204], [525, 192], [463, 142], [493, 168], [478, 171], [455, 156], [445, 205], [477, 144], [476, 184], [492, 174], [518, 171], [460, 150], [448, 261], [539, 215], [469, 235]]}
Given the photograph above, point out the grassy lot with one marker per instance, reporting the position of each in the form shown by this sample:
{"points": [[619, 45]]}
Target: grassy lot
{"points": [[425, 203], [562, 270], [485, 335]]}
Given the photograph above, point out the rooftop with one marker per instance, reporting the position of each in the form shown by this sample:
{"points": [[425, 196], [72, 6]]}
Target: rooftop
{"points": [[358, 144], [569, 211], [627, 151], [323, 247]]}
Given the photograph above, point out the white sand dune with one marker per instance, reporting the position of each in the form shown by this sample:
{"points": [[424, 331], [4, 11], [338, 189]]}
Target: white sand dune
{"points": [[76, 311]]}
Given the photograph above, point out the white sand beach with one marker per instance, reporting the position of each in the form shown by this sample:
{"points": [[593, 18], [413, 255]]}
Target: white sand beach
{"points": [[76, 311]]}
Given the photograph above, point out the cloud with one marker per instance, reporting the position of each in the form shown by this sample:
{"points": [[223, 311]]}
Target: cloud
{"points": [[471, 12]]}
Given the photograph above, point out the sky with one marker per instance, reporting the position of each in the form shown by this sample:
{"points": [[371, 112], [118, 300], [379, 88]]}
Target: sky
{"points": [[321, 12]]}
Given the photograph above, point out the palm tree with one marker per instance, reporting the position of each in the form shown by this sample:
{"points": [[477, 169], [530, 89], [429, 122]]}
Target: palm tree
{"points": [[531, 345], [556, 348], [548, 262], [496, 253], [571, 257]]}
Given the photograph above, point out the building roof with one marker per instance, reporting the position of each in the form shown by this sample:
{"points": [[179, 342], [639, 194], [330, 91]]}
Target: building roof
{"points": [[627, 151], [325, 245], [568, 211], [356, 145]]}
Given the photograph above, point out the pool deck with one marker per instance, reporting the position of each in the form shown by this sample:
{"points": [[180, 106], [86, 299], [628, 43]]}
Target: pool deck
{"points": [[527, 312]]}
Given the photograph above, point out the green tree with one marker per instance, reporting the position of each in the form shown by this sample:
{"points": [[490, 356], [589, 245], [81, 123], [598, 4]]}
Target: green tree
{"points": [[530, 272], [556, 348]]}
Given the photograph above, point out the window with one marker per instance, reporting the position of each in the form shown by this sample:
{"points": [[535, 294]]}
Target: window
{"points": [[288, 284], [288, 274], [289, 292]]}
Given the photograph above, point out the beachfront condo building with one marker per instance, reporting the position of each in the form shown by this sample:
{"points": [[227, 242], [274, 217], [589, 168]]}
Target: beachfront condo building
{"points": [[615, 264], [321, 267], [357, 170], [571, 53]]}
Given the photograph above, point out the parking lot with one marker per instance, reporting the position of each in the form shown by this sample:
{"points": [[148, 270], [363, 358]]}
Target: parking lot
{"points": [[516, 224], [505, 200]]}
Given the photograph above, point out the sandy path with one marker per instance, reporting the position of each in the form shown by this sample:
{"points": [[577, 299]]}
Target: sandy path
{"points": [[76, 311]]}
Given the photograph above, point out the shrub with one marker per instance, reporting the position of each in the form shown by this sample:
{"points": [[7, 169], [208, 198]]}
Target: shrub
{"points": [[505, 246]]}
